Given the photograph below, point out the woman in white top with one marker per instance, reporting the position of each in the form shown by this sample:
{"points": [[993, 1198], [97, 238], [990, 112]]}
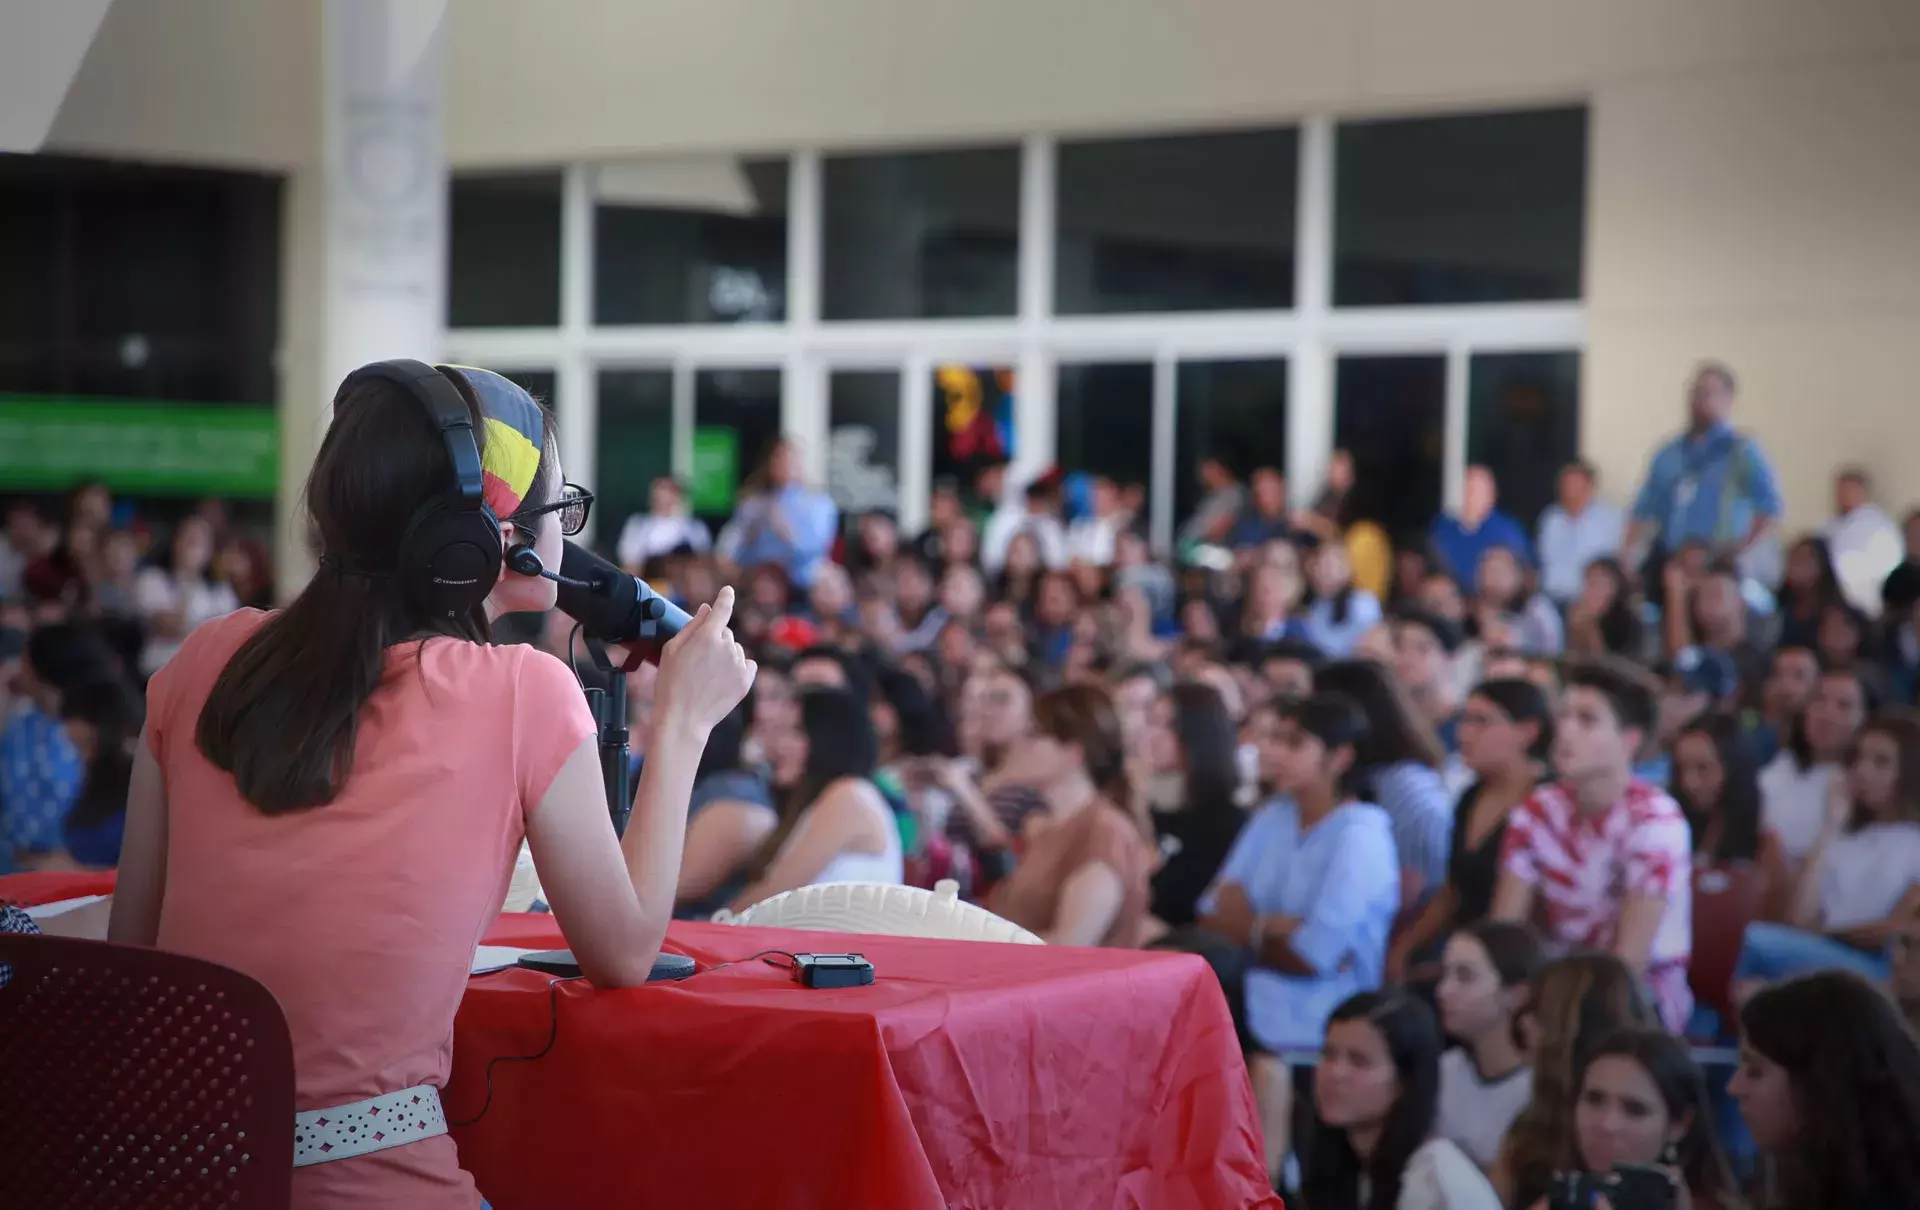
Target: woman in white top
{"points": [[1860, 882], [1485, 1082], [172, 600], [835, 826], [1375, 1093], [1793, 786], [1503, 603]]}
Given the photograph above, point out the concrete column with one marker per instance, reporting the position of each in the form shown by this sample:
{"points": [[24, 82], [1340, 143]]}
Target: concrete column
{"points": [[366, 229]]}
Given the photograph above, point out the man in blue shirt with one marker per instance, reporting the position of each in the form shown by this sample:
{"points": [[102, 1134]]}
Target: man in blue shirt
{"points": [[1460, 539], [1574, 532], [790, 524], [1710, 484]]}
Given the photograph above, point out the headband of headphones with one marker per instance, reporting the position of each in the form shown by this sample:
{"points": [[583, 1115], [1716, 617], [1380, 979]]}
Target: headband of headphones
{"points": [[516, 433]]}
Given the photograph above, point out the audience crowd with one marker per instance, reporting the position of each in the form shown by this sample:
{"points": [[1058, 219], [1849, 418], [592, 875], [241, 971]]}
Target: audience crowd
{"points": [[1500, 821]]}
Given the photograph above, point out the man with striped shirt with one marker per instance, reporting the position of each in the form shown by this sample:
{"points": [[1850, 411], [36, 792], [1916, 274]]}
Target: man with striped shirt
{"points": [[1599, 860]]}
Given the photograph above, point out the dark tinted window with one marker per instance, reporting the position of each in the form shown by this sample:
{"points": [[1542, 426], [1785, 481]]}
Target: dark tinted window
{"points": [[1105, 421], [632, 447], [1235, 411], [503, 251], [1188, 223], [1488, 208], [136, 281], [1390, 413], [737, 410], [690, 241], [863, 440], [921, 235], [1523, 423]]}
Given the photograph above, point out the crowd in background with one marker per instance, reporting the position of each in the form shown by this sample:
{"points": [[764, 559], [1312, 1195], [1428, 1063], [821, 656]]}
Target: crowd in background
{"points": [[1555, 795]]}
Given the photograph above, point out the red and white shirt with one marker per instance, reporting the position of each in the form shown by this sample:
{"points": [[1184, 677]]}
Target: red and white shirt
{"points": [[1583, 867]]}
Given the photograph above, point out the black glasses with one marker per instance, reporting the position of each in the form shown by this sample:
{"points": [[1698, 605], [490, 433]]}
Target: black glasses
{"points": [[574, 504]]}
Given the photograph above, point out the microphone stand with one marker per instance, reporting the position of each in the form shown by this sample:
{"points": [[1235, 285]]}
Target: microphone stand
{"points": [[609, 707]]}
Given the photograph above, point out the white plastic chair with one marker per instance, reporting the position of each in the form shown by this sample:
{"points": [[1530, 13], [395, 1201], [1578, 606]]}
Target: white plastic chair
{"points": [[884, 910]]}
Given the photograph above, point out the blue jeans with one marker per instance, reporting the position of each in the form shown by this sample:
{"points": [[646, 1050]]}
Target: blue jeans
{"points": [[1776, 951]]}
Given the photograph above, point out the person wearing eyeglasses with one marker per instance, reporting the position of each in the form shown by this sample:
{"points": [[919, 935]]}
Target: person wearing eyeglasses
{"points": [[353, 776]]}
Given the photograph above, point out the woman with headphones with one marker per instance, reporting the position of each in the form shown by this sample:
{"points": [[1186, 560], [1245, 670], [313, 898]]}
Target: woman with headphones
{"points": [[330, 798]]}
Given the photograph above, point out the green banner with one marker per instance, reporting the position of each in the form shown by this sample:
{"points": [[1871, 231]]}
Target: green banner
{"points": [[716, 469], [47, 443]]}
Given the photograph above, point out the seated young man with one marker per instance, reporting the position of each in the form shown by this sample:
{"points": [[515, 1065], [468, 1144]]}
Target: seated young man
{"points": [[1599, 860]]}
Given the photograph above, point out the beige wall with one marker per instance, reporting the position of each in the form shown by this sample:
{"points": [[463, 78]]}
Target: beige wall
{"points": [[1755, 182]]}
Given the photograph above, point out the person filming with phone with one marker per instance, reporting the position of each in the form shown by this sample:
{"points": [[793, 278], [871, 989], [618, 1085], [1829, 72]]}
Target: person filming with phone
{"points": [[353, 775]]}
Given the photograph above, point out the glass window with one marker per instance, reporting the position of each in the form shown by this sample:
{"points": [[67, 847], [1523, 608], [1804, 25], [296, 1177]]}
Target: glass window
{"points": [[1188, 223], [695, 240], [921, 235], [863, 440], [503, 251], [632, 448], [138, 281], [1487, 208], [736, 422], [1390, 413], [1105, 421], [1523, 424], [972, 424], [1231, 411]]}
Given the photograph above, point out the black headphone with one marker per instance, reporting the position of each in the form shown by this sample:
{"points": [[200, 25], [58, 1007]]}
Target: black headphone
{"points": [[450, 552]]}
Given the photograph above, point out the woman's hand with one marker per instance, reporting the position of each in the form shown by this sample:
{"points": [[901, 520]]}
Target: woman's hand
{"points": [[703, 672]]}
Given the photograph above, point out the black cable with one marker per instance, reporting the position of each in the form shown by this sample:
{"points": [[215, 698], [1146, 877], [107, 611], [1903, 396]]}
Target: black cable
{"points": [[553, 1027], [553, 1035]]}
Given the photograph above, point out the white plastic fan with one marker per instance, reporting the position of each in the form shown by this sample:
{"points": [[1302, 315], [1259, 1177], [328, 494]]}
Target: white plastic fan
{"points": [[884, 910]]}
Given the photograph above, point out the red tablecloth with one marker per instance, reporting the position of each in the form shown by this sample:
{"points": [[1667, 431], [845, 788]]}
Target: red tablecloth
{"points": [[970, 1075], [983, 1076], [52, 886]]}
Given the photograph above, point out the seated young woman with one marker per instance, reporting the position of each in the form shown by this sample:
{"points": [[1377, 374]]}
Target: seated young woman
{"points": [[378, 763], [1506, 731], [729, 816], [1485, 978], [1084, 862], [1643, 1103], [1716, 781], [1191, 740], [1861, 879], [1307, 894], [1399, 758], [1375, 1090], [835, 825], [1829, 1086], [1575, 1002]]}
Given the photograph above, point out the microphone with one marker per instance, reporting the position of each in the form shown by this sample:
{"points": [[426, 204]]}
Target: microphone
{"points": [[609, 604]]}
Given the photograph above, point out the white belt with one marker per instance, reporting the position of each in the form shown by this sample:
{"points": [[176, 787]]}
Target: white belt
{"points": [[321, 1136]]}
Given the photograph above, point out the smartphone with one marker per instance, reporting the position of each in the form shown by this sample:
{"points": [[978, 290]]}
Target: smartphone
{"points": [[1642, 1187]]}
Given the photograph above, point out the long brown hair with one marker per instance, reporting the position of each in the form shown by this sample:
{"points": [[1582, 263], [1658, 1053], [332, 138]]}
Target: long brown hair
{"points": [[1853, 1070], [285, 713], [1577, 1000], [1085, 715]]}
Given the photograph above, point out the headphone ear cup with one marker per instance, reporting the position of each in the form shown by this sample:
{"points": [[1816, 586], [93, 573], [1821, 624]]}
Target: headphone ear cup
{"points": [[450, 559]]}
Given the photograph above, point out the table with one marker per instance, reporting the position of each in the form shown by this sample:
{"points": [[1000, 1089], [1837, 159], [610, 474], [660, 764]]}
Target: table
{"points": [[970, 1075]]}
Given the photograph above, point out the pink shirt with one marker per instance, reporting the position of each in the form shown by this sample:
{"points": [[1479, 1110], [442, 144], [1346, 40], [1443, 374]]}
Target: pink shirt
{"points": [[362, 916], [1583, 867]]}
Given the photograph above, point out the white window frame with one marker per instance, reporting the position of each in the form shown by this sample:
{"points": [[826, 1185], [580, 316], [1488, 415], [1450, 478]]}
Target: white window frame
{"points": [[1311, 337]]}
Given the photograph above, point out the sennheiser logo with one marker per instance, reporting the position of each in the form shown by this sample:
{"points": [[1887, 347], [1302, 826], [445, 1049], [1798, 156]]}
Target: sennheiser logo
{"points": [[457, 583]]}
